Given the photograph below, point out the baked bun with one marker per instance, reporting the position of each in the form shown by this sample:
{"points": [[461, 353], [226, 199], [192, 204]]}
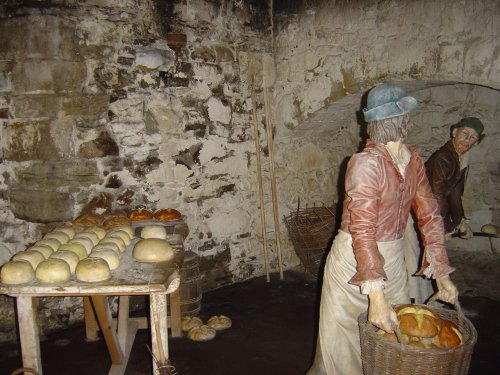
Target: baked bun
{"points": [[75, 247], [68, 256], [51, 242], [17, 272], [140, 214], [33, 256], [201, 333], [167, 214], [109, 255], [92, 236], [59, 236], [152, 250], [219, 323], [88, 220], [418, 321], [46, 250], [189, 322], [449, 335]]}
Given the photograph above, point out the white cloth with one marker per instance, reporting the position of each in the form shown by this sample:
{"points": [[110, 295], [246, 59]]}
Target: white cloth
{"points": [[341, 302], [420, 288]]}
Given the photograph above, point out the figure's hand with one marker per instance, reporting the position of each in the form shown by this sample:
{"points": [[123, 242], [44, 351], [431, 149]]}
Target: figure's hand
{"points": [[447, 291], [448, 236], [464, 230], [380, 311]]}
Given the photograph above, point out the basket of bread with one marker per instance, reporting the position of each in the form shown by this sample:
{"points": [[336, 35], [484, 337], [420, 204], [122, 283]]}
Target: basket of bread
{"points": [[429, 340]]}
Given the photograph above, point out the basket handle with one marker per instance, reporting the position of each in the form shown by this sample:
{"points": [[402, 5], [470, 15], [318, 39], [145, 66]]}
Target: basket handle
{"points": [[456, 305]]}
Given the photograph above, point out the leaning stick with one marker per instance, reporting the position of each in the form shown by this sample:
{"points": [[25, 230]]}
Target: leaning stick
{"points": [[273, 180], [261, 190]]}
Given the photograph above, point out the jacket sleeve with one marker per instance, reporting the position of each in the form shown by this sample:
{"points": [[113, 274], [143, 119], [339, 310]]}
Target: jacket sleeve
{"points": [[362, 190], [431, 226], [454, 201]]}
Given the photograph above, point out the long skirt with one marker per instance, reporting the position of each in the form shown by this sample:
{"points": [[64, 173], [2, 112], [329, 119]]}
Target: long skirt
{"points": [[341, 302]]}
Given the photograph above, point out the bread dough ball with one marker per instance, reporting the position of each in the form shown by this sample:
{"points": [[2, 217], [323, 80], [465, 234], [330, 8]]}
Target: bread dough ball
{"points": [[76, 248], [69, 257], [53, 271], [114, 240], [92, 270], [110, 256], [85, 242], [219, 323], [152, 250], [92, 236], [51, 242], [201, 333], [108, 246], [189, 322], [120, 234], [125, 228], [60, 236], [32, 256], [154, 231], [17, 272], [44, 249], [69, 231], [100, 232]]}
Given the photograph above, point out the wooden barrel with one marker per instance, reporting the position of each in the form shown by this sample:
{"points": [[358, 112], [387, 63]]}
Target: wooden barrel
{"points": [[190, 286]]}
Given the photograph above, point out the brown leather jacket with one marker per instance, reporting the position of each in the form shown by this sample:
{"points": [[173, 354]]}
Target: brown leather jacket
{"points": [[376, 208], [447, 184]]}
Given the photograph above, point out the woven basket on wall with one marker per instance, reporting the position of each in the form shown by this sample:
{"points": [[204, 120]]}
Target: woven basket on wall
{"points": [[383, 357], [310, 231]]}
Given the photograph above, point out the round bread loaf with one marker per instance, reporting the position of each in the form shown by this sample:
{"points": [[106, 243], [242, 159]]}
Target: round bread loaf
{"points": [[220, 322], [154, 231], [100, 232], [126, 228], [140, 214], [75, 247], [92, 270], [167, 214], [418, 321], [115, 221], [120, 234], [70, 232], [110, 256], [60, 236], [201, 333], [114, 240], [44, 249], [69, 257], [34, 257], [189, 322], [88, 234], [17, 272], [108, 246], [53, 271], [152, 250], [85, 242], [449, 335], [89, 220], [491, 229], [51, 242]]}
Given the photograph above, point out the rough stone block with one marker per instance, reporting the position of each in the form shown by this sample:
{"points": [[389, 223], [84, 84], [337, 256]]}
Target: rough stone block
{"points": [[39, 205], [69, 75], [35, 105], [85, 105], [28, 141], [32, 75], [74, 173]]}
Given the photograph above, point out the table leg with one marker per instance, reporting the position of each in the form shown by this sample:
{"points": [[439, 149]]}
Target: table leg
{"points": [[104, 317], [175, 313], [159, 329], [90, 322], [28, 333], [123, 313]]}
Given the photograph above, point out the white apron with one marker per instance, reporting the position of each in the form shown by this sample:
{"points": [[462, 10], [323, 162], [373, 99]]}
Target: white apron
{"points": [[341, 302]]}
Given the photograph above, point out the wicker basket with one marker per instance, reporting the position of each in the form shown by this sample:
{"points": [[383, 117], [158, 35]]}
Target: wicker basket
{"points": [[310, 231], [382, 357]]}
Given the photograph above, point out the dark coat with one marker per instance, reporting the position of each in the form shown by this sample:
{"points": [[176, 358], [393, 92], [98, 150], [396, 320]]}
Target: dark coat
{"points": [[447, 183]]}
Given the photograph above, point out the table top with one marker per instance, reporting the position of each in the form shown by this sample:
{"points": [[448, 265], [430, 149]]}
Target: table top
{"points": [[131, 277]]}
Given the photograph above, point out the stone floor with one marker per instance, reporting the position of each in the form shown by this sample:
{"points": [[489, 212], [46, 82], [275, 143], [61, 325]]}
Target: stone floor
{"points": [[273, 333]]}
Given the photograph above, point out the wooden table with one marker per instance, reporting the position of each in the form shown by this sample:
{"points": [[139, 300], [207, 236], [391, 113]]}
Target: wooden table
{"points": [[131, 278]]}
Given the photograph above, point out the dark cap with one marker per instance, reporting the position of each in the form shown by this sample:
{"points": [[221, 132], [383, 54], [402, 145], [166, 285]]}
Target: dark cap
{"points": [[471, 122]]}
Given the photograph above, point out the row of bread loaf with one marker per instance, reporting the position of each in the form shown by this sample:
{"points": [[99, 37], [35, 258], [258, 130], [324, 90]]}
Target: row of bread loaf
{"points": [[91, 254]]}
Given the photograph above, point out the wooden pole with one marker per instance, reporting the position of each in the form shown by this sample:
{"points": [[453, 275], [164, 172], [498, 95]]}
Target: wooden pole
{"points": [[259, 177], [273, 180]]}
